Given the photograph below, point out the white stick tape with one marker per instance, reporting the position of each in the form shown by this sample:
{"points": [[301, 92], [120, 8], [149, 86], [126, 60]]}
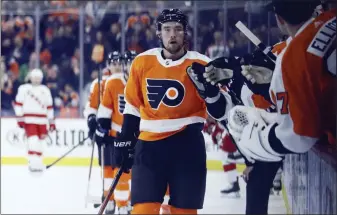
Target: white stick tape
{"points": [[248, 33]]}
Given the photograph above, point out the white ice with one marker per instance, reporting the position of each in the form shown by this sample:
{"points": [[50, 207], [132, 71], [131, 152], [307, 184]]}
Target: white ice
{"points": [[62, 190]]}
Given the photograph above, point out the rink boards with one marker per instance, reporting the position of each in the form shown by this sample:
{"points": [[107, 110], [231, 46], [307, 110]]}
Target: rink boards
{"points": [[70, 132]]}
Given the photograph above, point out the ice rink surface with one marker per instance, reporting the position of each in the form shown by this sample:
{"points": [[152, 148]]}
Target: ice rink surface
{"points": [[62, 190]]}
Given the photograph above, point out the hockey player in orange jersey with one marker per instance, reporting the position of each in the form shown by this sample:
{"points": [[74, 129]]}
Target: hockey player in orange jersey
{"points": [[168, 113], [110, 119], [90, 113]]}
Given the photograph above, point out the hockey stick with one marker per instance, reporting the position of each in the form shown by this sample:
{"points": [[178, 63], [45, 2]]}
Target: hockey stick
{"points": [[96, 205], [60, 158], [256, 41], [111, 190], [90, 169]]}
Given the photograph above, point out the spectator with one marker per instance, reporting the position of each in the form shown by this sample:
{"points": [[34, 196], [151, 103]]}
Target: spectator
{"points": [[51, 80], [134, 44], [20, 52], [218, 48], [7, 34], [6, 94], [114, 36], [48, 40], [151, 38], [100, 44]]}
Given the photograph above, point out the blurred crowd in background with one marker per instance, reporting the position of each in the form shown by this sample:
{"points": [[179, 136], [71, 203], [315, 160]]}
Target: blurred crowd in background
{"points": [[50, 35]]}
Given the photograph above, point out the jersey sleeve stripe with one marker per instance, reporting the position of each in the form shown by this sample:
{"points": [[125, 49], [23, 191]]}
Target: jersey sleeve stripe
{"points": [[104, 112], [130, 109]]}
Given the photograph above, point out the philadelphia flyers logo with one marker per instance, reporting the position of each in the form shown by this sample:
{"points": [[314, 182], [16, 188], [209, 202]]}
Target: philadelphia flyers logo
{"points": [[167, 91], [121, 103]]}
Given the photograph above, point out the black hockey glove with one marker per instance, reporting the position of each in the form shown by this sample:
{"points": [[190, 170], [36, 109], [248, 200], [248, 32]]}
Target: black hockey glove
{"points": [[222, 70], [124, 150], [257, 70], [92, 124], [204, 88], [101, 136]]}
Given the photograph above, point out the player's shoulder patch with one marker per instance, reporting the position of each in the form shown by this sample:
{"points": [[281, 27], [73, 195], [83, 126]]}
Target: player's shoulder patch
{"points": [[324, 38], [194, 55]]}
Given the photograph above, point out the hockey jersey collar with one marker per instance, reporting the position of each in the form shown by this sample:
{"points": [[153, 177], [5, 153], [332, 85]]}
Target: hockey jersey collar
{"points": [[169, 62]]}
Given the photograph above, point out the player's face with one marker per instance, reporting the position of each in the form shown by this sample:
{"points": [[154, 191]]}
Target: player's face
{"points": [[172, 34], [115, 67], [35, 80]]}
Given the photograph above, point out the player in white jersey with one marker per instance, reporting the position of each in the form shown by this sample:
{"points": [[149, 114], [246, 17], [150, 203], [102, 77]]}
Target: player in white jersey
{"points": [[34, 110]]}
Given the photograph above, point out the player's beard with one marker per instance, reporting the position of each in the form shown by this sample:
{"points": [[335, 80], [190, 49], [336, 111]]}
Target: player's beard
{"points": [[174, 48]]}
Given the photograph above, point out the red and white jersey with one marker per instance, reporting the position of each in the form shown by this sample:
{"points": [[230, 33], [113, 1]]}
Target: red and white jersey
{"points": [[160, 92], [113, 103], [302, 87], [34, 104]]}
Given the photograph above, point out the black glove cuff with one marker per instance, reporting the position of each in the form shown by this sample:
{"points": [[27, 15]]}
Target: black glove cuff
{"points": [[130, 125]]}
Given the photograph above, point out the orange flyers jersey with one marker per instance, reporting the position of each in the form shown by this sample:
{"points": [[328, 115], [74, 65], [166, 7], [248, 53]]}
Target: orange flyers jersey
{"points": [[93, 102], [302, 86], [160, 92], [113, 103]]}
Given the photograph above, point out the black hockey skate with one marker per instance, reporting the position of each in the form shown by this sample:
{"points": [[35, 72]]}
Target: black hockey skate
{"points": [[233, 190]]}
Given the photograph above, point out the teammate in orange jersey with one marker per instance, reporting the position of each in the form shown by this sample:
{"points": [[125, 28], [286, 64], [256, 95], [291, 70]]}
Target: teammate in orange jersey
{"points": [[165, 109], [110, 119], [90, 113]]}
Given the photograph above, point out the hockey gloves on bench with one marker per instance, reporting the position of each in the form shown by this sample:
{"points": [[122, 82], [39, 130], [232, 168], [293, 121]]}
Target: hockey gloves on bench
{"points": [[222, 70], [257, 70], [205, 89], [124, 150]]}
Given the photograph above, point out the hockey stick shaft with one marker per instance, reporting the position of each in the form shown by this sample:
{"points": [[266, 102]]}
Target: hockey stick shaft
{"points": [[90, 170], [111, 190], [102, 165], [256, 41], [60, 158]]}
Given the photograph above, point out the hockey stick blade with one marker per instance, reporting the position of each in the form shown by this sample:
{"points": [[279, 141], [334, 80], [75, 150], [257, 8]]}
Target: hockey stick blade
{"points": [[256, 41]]}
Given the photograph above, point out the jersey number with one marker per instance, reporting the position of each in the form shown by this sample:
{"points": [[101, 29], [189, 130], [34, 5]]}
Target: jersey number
{"points": [[283, 97]]}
